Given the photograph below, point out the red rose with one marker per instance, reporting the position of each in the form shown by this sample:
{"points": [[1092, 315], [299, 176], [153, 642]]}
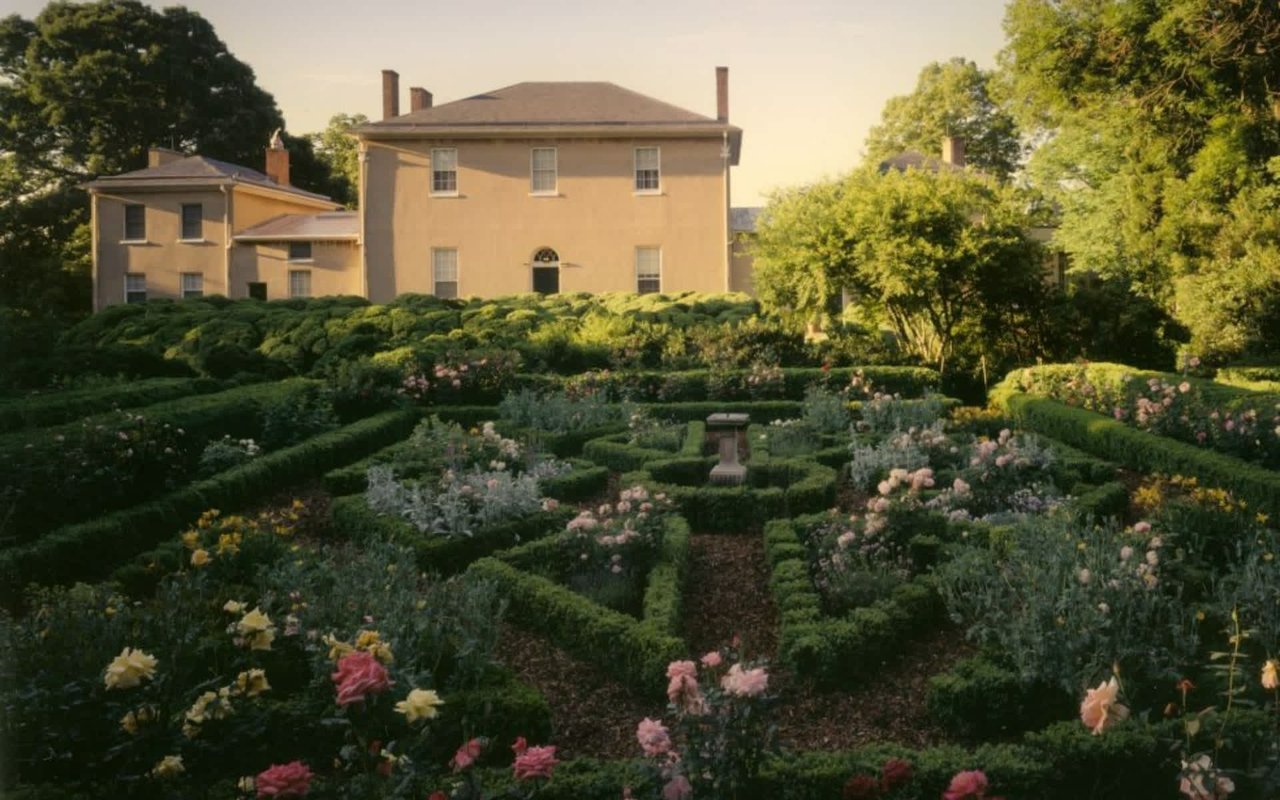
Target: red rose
{"points": [[861, 787], [284, 780], [359, 675], [895, 774]]}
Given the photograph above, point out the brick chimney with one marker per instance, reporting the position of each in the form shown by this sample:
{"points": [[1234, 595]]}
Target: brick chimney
{"points": [[722, 94], [162, 155], [277, 160], [953, 150], [419, 99], [390, 93]]}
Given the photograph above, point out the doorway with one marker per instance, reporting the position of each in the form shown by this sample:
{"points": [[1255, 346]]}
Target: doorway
{"points": [[546, 271]]}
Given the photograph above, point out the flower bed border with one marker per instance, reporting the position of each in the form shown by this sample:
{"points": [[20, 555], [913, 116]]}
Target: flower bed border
{"points": [[88, 549], [54, 408], [635, 651]]}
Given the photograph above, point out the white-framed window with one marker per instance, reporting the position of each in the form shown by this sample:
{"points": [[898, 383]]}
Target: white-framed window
{"points": [[299, 251], [192, 284], [648, 169], [192, 221], [135, 222], [444, 271], [299, 283], [648, 270], [542, 170], [444, 170], [135, 287]]}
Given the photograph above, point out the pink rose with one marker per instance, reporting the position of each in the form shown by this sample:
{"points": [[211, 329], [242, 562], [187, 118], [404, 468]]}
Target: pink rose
{"points": [[971, 785], [1099, 709], [653, 737], [466, 755], [535, 762], [284, 780], [678, 788], [359, 675], [682, 669], [1142, 527], [745, 683], [711, 660]]}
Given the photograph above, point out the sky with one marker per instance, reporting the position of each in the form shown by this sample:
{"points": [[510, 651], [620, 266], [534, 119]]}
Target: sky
{"points": [[807, 78]]}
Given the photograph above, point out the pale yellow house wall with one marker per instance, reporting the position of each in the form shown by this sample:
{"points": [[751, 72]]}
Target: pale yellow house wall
{"points": [[334, 268], [162, 258], [595, 221], [249, 208]]}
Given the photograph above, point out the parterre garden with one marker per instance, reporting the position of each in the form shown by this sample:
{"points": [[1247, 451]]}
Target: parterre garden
{"points": [[457, 550]]}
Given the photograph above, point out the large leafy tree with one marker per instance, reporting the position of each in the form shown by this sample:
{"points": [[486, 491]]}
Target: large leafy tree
{"points": [[85, 89], [1158, 121], [951, 98], [340, 153]]}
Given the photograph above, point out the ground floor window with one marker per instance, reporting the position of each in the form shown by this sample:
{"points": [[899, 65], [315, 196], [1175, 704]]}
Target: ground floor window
{"points": [[299, 283], [648, 270], [135, 287], [192, 285], [444, 271]]}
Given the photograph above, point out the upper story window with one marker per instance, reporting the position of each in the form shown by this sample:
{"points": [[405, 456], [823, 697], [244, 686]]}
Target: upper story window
{"points": [[648, 270], [299, 251], [135, 222], [648, 169], [192, 285], [444, 271], [444, 170], [542, 178], [135, 287], [192, 221], [299, 283]]}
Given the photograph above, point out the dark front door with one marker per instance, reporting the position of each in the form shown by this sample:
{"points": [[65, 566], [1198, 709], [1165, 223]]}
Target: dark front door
{"points": [[546, 280], [258, 291]]}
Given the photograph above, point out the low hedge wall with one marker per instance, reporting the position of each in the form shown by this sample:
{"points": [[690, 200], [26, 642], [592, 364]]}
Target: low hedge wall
{"points": [[978, 699], [806, 486], [1145, 452], [54, 408], [837, 651], [618, 453], [502, 710], [1109, 376], [634, 651], [696, 385], [352, 519], [88, 549]]}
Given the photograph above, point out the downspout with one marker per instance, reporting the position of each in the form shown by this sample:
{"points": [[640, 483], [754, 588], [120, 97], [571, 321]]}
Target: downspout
{"points": [[93, 233], [228, 196], [728, 238], [362, 199]]}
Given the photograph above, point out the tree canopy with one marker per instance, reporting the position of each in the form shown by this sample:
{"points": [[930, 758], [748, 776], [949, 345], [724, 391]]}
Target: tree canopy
{"points": [[951, 98], [340, 153]]}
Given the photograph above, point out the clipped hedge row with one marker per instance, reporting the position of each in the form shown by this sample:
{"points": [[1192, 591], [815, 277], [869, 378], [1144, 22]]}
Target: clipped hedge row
{"points": [[635, 651], [1145, 452], [352, 519], [702, 384], [1255, 379], [837, 651], [1112, 376], [501, 710], [88, 549], [978, 699], [775, 488], [54, 408], [618, 453]]}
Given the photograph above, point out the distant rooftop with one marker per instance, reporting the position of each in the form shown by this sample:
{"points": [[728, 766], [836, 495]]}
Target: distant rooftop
{"points": [[913, 159], [331, 225], [743, 220], [195, 169]]}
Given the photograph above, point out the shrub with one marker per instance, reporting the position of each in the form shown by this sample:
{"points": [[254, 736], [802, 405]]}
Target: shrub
{"points": [[302, 413]]}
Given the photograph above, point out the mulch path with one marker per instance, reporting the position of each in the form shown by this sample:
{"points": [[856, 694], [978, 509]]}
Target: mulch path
{"points": [[728, 595]]}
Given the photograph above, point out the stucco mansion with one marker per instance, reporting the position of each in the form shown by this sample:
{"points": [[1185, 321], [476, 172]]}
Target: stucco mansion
{"points": [[547, 187]]}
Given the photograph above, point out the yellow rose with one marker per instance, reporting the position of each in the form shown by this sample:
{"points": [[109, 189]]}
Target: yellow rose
{"points": [[257, 629], [129, 669], [191, 540], [252, 683], [420, 704], [229, 543], [129, 723], [168, 767], [1270, 678], [234, 607], [337, 648], [200, 558]]}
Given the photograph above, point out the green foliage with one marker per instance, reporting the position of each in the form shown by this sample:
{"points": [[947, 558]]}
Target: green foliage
{"points": [[53, 408], [951, 98], [979, 699]]}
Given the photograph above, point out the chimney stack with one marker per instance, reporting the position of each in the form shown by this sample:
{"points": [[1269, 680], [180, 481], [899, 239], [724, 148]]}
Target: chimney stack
{"points": [[277, 160], [722, 94], [390, 94], [419, 99], [162, 155], [953, 150]]}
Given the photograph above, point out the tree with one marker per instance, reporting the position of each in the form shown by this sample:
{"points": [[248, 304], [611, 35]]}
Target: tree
{"points": [[951, 98], [1155, 118], [339, 151], [86, 89]]}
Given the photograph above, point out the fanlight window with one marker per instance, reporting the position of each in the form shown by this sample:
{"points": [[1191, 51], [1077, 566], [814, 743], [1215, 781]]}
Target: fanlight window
{"points": [[546, 256]]}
